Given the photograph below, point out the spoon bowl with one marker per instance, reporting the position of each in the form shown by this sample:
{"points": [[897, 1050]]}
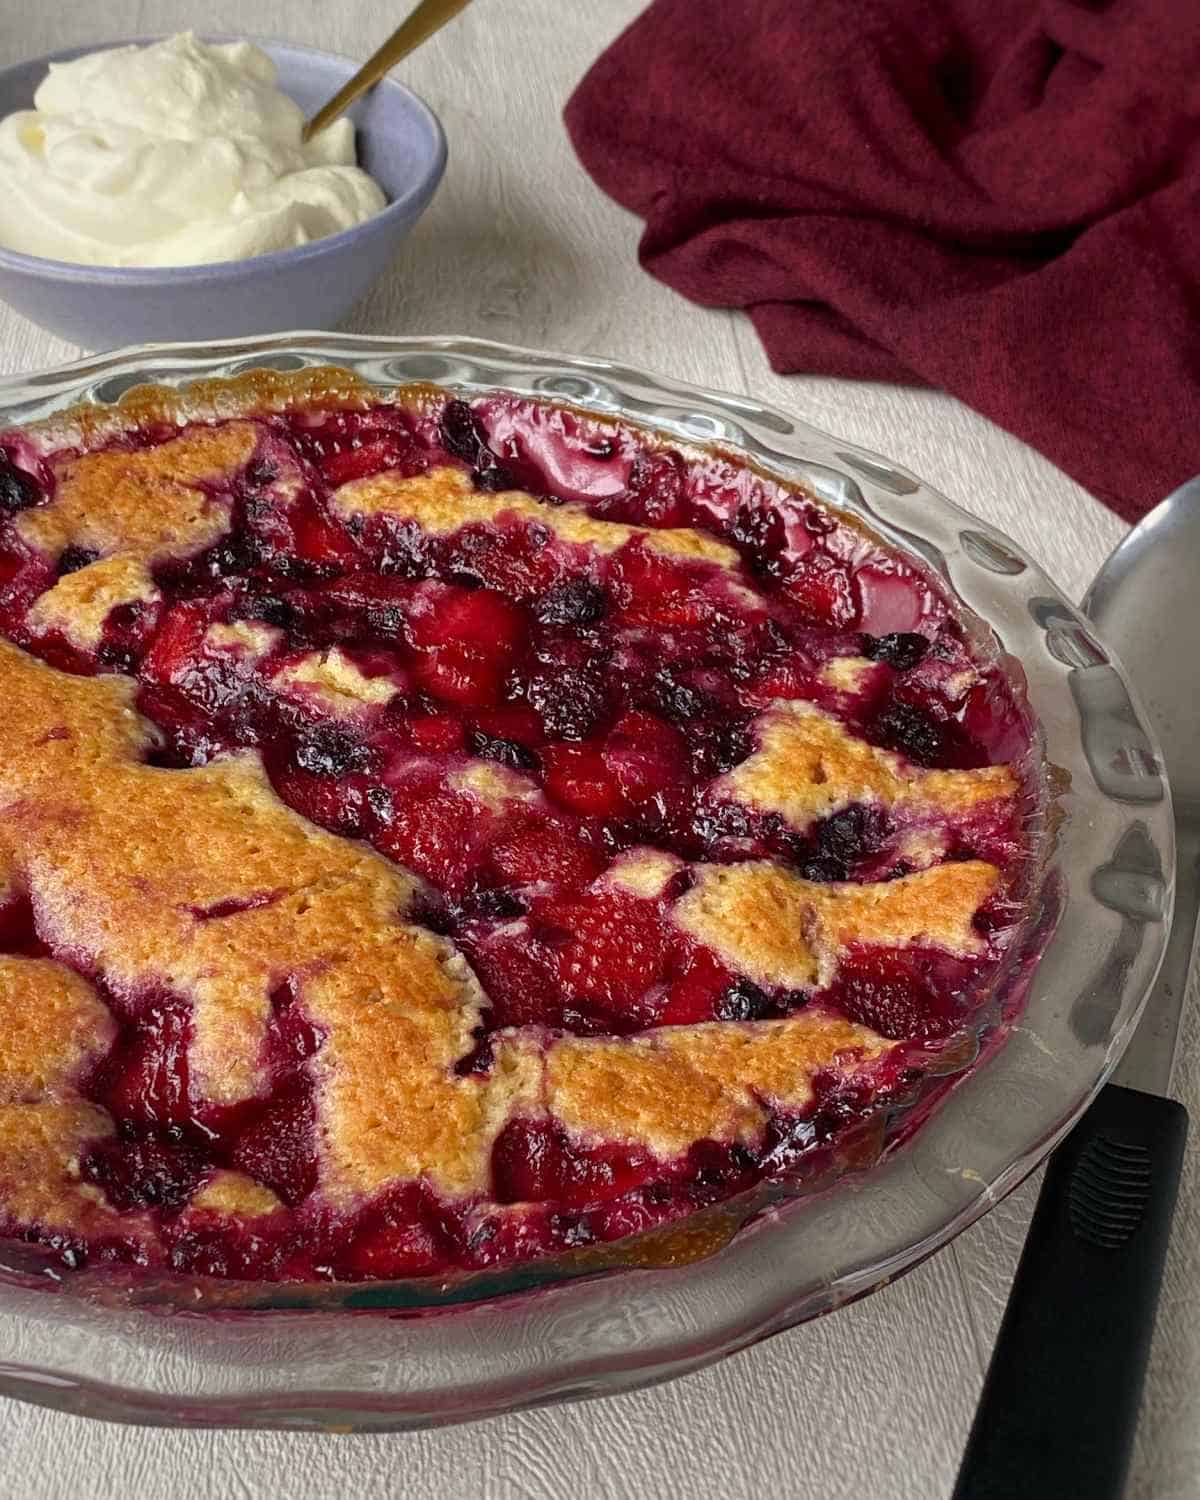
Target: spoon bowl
{"points": [[1144, 600]]}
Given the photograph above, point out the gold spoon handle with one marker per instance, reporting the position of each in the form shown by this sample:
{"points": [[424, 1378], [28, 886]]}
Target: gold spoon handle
{"points": [[428, 17]]}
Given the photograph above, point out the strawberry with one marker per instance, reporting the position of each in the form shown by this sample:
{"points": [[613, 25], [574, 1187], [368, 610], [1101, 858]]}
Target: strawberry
{"points": [[145, 1078], [433, 831], [318, 540], [655, 590], [697, 982], [374, 456], [545, 852], [518, 977], [607, 947], [178, 645], [466, 643], [333, 802], [527, 1161], [579, 777], [279, 1147], [822, 591], [513, 556], [890, 990], [644, 755], [404, 1234], [435, 734]]}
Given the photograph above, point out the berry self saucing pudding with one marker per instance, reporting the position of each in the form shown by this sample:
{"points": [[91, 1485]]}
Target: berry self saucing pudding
{"points": [[438, 834]]}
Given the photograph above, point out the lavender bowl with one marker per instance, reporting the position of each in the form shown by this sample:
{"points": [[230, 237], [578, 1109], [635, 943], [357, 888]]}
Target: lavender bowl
{"points": [[400, 143]]}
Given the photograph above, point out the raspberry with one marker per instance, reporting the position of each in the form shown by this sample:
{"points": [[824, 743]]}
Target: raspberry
{"points": [[570, 701]]}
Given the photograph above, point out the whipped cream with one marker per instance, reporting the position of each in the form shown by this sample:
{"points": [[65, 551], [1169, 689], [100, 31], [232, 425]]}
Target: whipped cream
{"points": [[175, 154]]}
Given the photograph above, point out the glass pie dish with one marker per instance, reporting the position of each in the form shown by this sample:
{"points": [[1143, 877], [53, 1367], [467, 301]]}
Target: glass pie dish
{"points": [[395, 1354]]}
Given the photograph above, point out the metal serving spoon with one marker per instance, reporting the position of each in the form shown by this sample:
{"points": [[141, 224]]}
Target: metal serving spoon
{"points": [[428, 17], [1060, 1404]]}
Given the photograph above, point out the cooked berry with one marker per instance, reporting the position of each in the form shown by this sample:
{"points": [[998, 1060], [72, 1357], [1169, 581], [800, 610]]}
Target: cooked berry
{"points": [[895, 992], [72, 559], [480, 1058], [911, 731], [822, 590], [655, 494], [675, 698], [571, 703], [491, 906], [379, 800], [507, 752], [260, 473], [144, 1172], [462, 435], [841, 841], [902, 650], [576, 602], [326, 751], [744, 1001], [759, 530], [18, 490], [717, 745]]}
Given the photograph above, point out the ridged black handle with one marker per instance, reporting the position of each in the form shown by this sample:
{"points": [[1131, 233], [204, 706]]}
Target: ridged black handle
{"points": [[1060, 1403]]}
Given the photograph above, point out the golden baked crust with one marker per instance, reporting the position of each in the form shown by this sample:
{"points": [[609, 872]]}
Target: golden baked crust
{"points": [[779, 929], [444, 500], [335, 682], [808, 765], [147, 506], [79, 604], [714, 1081], [52, 1023]]}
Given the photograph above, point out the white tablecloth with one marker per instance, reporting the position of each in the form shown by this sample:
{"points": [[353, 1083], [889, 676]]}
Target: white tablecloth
{"points": [[874, 1402]]}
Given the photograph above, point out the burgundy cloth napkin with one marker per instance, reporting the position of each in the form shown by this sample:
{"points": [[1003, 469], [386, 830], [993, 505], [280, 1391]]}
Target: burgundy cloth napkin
{"points": [[997, 197]]}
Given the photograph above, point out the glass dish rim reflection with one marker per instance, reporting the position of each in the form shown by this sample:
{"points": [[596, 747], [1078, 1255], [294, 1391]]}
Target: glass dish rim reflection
{"points": [[825, 1249]]}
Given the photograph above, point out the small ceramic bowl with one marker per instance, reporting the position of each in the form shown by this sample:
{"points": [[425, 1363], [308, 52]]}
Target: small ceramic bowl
{"points": [[400, 143]]}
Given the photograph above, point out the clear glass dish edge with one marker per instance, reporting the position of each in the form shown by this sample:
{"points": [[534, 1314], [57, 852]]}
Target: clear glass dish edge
{"points": [[584, 1337]]}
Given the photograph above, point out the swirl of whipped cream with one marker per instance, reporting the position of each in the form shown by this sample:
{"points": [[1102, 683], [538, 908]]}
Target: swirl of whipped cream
{"points": [[179, 153]]}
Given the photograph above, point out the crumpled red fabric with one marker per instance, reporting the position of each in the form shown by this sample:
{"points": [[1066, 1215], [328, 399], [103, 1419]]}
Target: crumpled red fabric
{"points": [[1000, 198]]}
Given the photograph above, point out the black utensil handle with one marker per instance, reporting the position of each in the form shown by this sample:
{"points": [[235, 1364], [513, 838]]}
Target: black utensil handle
{"points": [[1060, 1403]]}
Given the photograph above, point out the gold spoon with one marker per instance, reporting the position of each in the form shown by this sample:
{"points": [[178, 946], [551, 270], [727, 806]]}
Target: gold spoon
{"points": [[429, 16]]}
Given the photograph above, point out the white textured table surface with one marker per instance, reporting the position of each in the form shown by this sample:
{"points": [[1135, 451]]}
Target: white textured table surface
{"points": [[873, 1403]]}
